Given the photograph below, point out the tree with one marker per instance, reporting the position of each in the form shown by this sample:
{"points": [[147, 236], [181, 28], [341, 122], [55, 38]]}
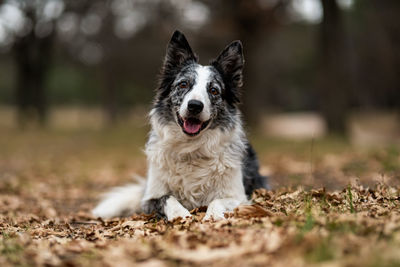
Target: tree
{"points": [[30, 30], [250, 21], [333, 75], [32, 58]]}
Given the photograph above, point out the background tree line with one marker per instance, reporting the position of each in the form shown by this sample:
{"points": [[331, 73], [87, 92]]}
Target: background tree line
{"points": [[328, 56]]}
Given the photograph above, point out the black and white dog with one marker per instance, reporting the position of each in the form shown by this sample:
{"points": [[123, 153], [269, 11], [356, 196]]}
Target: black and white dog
{"points": [[197, 151]]}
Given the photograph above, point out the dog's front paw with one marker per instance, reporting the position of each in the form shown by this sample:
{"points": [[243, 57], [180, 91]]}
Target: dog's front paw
{"points": [[183, 213], [215, 211], [218, 207], [173, 209], [214, 215]]}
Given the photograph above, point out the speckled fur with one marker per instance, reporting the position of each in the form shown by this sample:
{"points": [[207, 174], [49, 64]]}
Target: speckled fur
{"points": [[215, 168]]}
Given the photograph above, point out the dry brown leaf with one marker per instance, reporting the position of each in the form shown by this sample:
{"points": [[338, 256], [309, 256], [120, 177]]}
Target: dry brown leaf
{"points": [[252, 211]]}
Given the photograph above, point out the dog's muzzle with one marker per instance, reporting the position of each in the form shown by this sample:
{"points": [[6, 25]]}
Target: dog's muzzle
{"points": [[191, 126]]}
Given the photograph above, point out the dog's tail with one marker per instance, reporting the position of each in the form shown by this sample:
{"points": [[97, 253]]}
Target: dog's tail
{"points": [[121, 201]]}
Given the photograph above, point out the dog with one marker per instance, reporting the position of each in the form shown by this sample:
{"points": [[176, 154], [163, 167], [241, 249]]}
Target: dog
{"points": [[197, 151]]}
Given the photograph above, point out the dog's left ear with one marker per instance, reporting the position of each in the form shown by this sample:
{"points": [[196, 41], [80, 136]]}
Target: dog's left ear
{"points": [[230, 65], [178, 53]]}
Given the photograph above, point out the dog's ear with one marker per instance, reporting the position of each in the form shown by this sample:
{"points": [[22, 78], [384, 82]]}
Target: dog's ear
{"points": [[178, 52], [230, 65]]}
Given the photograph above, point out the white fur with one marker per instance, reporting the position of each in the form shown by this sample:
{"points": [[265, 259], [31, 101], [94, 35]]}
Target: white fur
{"points": [[173, 209], [199, 92], [195, 170], [218, 207], [120, 201]]}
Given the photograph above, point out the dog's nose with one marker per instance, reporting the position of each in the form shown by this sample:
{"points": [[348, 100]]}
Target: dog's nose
{"points": [[195, 106]]}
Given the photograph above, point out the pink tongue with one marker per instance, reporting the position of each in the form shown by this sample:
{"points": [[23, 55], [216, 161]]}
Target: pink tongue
{"points": [[191, 126]]}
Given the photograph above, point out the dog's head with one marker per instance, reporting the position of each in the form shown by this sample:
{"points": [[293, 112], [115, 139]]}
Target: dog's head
{"points": [[198, 97]]}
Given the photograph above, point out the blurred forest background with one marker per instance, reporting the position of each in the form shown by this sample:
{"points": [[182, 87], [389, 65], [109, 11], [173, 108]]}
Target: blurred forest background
{"points": [[317, 66], [321, 100]]}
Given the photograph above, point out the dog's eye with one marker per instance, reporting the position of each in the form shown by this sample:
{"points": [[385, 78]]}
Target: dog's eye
{"points": [[183, 85], [214, 91]]}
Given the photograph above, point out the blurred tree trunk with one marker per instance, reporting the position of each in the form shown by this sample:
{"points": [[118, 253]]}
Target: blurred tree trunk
{"points": [[333, 83], [32, 59], [111, 71], [389, 18], [250, 21]]}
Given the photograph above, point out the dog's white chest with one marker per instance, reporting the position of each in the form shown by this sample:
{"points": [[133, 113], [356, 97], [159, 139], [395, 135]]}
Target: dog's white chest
{"points": [[197, 171], [196, 180]]}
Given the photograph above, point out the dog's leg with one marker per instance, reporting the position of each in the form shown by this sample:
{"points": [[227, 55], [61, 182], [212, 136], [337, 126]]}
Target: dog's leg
{"points": [[158, 199], [231, 195], [166, 206], [217, 208]]}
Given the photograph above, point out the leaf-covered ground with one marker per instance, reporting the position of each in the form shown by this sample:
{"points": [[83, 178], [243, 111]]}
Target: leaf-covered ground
{"points": [[331, 205]]}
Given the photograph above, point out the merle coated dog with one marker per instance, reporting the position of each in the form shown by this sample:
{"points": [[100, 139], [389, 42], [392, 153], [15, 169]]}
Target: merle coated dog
{"points": [[197, 152]]}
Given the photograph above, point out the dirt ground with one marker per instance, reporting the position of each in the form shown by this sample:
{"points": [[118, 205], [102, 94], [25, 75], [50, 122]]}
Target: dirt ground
{"points": [[331, 204]]}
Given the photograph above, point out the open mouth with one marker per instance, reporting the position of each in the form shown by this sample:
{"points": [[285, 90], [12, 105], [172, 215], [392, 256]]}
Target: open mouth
{"points": [[192, 126]]}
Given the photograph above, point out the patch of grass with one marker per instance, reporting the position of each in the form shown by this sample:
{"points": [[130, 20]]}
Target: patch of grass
{"points": [[342, 227], [389, 159], [88, 258], [309, 223], [10, 249], [321, 252], [278, 222], [350, 199], [309, 220], [324, 203]]}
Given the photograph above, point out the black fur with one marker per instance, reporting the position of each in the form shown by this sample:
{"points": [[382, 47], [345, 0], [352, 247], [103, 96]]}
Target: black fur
{"points": [[224, 115], [252, 179], [179, 53], [156, 206], [230, 65]]}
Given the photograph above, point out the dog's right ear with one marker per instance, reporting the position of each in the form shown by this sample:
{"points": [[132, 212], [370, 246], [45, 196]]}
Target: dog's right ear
{"points": [[178, 53], [230, 65]]}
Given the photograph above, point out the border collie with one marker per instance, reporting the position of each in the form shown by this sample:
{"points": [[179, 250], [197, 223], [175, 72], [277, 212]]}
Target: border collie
{"points": [[197, 152]]}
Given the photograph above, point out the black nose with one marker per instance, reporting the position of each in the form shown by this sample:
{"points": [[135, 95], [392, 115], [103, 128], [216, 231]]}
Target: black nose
{"points": [[195, 106]]}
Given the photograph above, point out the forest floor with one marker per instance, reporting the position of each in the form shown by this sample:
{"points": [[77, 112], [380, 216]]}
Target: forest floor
{"points": [[331, 204]]}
